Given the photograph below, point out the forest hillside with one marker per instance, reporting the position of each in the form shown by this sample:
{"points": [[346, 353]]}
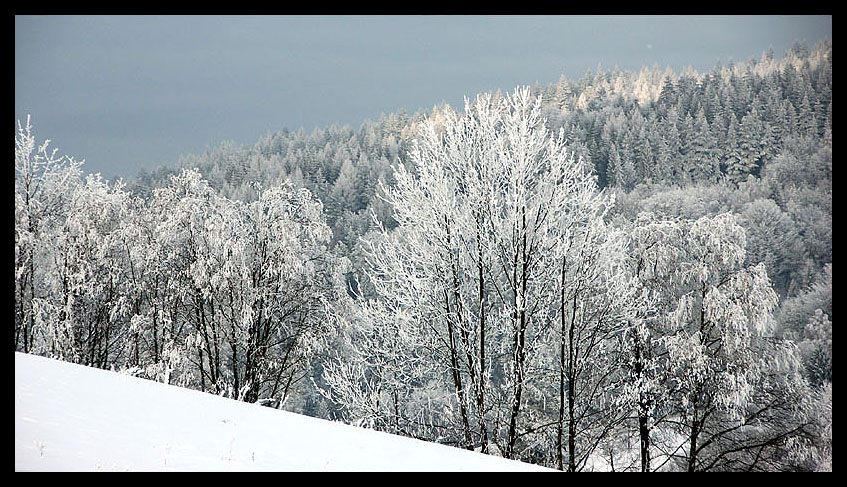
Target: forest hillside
{"points": [[633, 266]]}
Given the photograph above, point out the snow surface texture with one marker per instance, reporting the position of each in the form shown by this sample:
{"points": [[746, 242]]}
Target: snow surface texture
{"points": [[74, 418]]}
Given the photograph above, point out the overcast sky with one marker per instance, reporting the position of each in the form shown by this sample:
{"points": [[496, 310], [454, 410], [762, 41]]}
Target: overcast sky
{"points": [[125, 92]]}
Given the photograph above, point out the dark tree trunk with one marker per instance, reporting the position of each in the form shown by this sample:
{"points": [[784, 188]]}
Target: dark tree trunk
{"points": [[571, 370], [562, 334]]}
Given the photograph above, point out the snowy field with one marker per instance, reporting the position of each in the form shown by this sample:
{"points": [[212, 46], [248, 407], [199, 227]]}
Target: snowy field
{"points": [[74, 418]]}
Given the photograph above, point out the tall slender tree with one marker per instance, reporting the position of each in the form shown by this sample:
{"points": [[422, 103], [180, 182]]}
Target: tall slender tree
{"points": [[44, 182]]}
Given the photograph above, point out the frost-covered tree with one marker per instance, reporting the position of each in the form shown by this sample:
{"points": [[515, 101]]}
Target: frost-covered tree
{"points": [[711, 384], [44, 182], [774, 240], [595, 296], [237, 294], [805, 319], [656, 250], [500, 241], [812, 450], [702, 164], [169, 238], [734, 381], [90, 306], [289, 283]]}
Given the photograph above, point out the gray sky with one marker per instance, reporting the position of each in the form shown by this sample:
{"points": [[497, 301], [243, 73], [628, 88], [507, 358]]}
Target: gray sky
{"points": [[125, 92]]}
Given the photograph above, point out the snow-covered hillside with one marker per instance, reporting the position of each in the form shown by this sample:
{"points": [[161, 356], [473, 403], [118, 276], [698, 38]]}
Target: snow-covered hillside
{"points": [[74, 418]]}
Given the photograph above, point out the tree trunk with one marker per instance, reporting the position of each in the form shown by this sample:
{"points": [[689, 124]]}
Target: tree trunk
{"points": [[520, 336], [202, 371], [571, 368], [643, 428], [644, 432], [454, 360], [481, 388], [457, 377], [561, 422], [692, 452]]}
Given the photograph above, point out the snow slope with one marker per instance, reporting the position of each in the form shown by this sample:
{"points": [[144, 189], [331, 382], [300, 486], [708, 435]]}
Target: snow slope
{"points": [[74, 418]]}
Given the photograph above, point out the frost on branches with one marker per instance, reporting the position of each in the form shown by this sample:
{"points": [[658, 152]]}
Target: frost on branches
{"points": [[185, 287], [43, 183], [239, 292], [509, 310], [499, 280], [704, 362]]}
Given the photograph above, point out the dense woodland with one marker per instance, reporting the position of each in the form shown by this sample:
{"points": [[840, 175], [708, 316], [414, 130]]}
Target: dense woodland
{"points": [[632, 271]]}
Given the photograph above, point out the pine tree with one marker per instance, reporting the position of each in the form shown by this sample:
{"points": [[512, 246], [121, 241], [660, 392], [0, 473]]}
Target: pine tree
{"points": [[702, 164], [613, 168], [733, 160], [668, 95], [750, 146]]}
